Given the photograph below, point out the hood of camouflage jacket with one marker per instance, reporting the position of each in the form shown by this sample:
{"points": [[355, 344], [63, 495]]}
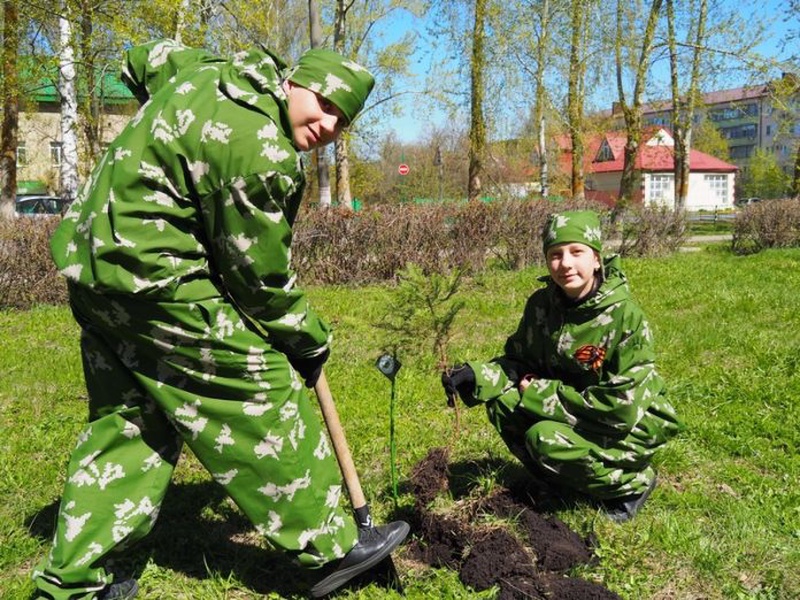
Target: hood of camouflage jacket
{"points": [[252, 77], [613, 289]]}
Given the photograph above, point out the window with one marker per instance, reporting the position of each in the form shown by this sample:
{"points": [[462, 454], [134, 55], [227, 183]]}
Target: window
{"points": [[22, 154], [55, 154], [604, 154], [733, 112], [769, 129], [662, 120], [718, 188], [740, 132], [741, 151], [660, 192]]}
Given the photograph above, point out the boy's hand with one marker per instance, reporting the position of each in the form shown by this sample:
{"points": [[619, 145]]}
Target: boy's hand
{"points": [[459, 379], [525, 382], [310, 368]]}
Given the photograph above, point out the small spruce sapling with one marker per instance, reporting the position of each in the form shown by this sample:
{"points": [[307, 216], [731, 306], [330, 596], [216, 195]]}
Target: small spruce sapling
{"points": [[420, 315]]}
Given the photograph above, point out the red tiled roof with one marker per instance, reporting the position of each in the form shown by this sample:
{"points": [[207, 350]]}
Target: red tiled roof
{"points": [[657, 158]]}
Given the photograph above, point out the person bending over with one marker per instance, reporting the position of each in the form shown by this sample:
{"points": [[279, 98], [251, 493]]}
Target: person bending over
{"points": [[177, 256]]}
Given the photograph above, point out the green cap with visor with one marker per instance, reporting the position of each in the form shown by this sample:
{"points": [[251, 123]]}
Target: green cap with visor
{"points": [[334, 77]]}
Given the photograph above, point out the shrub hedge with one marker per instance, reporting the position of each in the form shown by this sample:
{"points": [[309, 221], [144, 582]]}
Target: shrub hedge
{"points": [[767, 224], [338, 246], [27, 273]]}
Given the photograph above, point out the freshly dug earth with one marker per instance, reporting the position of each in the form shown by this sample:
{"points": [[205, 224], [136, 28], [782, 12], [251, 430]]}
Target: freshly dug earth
{"points": [[521, 551]]}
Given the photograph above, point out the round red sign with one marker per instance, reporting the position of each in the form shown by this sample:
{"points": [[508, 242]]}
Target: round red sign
{"points": [[403, 169]]}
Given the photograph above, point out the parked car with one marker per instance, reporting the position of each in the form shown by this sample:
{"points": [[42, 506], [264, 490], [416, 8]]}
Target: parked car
{"points": [[36, 205], [742, 202]]}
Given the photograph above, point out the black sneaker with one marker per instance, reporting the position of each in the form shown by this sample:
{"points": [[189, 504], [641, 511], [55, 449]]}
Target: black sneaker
{"points": [[123, 590], [373, 545], [624, 509]]}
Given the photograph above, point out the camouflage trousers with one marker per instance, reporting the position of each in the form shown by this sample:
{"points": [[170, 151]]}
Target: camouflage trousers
{"points": [[594, 465], [161, 374]]}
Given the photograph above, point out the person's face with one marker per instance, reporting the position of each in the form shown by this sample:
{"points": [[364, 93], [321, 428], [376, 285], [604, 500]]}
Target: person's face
{"points": [[572, 266], [315, 121]]}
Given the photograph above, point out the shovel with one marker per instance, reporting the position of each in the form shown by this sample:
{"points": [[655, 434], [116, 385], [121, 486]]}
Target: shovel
{"points": [[351, 482]]}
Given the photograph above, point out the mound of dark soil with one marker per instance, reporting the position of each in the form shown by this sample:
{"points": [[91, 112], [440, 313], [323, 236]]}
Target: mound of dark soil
{"points": [[522, 551]]}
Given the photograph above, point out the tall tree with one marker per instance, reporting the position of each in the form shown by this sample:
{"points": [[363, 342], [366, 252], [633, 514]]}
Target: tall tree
{"points": [[477, 130], [575, 98], [180, 20], [356, 30], [764, 177], [538, 109], [69, 106], [8, 145], [90, 107], [632, 111], [683, 107], [525, 32], [320, 154], [792, 38], [341, 145], [707, 138]]}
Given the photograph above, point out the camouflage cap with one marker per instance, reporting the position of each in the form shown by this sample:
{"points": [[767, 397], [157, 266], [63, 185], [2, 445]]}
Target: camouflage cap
{"points": [[332, 76], [582, 226]]}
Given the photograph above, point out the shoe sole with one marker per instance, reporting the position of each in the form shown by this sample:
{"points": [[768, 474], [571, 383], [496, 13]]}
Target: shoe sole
{"points": [[339, 578], [625, 516], [122, 594]]}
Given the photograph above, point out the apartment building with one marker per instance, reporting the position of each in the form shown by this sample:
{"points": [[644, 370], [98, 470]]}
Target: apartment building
{"points": [[762, 116]]}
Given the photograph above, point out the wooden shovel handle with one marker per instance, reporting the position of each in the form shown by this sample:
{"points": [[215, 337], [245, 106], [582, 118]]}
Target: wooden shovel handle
{"points": [[340, 448]]}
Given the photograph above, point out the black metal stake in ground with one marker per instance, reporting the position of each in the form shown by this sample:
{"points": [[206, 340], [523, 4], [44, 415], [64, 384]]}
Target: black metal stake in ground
{"points": [[389, 366]]}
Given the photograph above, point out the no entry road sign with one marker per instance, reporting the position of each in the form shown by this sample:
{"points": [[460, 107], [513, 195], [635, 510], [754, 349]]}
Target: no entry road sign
{"points": [[403, 169]]}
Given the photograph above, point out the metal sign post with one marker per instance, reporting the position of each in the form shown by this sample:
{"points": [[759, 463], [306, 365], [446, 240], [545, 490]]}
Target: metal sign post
{"points": [[389, 366]]}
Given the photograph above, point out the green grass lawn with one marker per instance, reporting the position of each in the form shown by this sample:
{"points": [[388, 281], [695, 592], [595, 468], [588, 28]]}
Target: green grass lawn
{"points": [[724, 522], [711, 227]]}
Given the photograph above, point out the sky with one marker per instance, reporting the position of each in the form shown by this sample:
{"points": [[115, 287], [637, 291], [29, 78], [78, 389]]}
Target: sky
{"points": [[418, 115]]}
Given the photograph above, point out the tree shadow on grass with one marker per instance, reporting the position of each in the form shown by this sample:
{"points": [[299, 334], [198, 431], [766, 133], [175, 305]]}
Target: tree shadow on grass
{"points": [[201, 534]]}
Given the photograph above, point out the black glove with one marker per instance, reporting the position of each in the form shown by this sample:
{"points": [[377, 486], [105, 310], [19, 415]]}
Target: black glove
{"points": [[310, 368], [460, 379]]}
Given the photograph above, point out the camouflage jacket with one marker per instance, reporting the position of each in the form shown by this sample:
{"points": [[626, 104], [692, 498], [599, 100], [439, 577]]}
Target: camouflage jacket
{"points": [[593, 363], [197, 196]]}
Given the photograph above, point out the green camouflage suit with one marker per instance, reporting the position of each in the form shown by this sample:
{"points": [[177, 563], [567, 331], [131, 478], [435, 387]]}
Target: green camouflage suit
{"points": [[597, 411], [177, 253]]}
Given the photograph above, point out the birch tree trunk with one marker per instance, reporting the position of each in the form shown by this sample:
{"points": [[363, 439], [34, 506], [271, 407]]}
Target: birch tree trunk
{"points": [[90, 113], [683, 108], [477, 130], [575, 97], [630, 181], [796, 177], [343, 193], [320, 154], [539, 118], [180, 20], [341, 145], [69, 107], [8, 146]]}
